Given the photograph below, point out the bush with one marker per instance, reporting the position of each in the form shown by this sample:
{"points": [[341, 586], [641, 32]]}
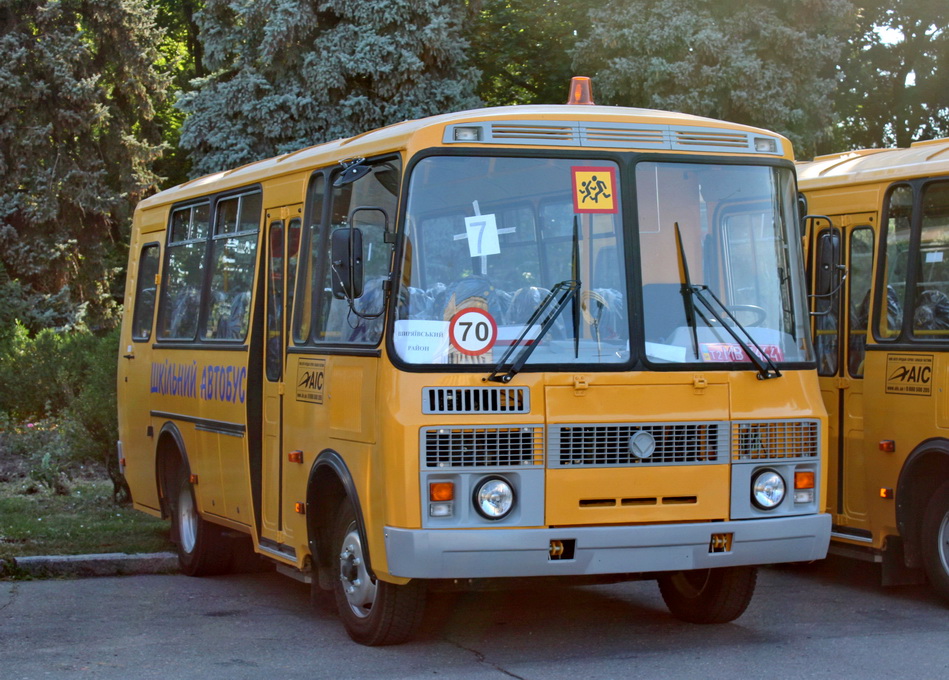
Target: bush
{"points": [[59, 403]]}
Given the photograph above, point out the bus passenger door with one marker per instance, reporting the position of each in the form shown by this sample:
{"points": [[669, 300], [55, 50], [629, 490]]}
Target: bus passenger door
{"points": [[840, 338], [283, 240]]}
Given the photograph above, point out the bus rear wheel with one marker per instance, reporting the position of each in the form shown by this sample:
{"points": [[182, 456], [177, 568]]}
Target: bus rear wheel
{"points": [[373, 612], [935, 540], [709, 595], [202, 548]]}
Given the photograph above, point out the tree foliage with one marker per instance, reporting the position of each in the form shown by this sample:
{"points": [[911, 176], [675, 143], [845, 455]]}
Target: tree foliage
{"points": [[78, 87], [895, 87], [285, 74], [769, 63], [523, 48]]}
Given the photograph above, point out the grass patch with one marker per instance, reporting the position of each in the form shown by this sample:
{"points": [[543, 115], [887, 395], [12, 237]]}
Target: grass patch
{"points": [[87, 521]]}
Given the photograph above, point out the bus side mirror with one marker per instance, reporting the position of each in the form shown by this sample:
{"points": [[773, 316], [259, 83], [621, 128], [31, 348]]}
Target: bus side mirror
{"points": [[828, 263], [346, 258]]}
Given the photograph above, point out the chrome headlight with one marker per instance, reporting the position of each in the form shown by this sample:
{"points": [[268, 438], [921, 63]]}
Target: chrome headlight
{"points": [[767, 489], [493, 498]]}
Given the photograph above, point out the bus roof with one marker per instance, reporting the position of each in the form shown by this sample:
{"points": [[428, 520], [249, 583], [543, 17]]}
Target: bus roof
{"points": [[550, 126], [921, 159]]}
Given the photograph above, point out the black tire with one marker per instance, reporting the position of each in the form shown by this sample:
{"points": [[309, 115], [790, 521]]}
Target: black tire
{"points": [[373, 612], [935, 541], [203, 549], [709, 595]]}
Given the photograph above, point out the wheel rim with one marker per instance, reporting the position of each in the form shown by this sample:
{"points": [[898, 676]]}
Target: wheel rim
{"points": [[691, 583], [358, 588], [942, 539], [187, 520]]}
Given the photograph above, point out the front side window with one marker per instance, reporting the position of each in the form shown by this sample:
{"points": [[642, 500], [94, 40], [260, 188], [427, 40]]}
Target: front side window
{"points": [[737, 243], [898, 218], [369, 205], [931, 299], [489, 240]]}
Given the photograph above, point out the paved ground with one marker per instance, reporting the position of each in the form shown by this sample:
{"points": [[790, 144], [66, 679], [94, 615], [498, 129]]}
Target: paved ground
{"points": [[829, 620]]}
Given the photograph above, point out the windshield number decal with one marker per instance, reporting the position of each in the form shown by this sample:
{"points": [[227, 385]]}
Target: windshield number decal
{"points": [[482, 233]]}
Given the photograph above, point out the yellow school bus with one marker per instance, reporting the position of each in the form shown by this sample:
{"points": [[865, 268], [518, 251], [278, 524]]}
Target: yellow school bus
{"points": [[879, 256], [539, 341]]}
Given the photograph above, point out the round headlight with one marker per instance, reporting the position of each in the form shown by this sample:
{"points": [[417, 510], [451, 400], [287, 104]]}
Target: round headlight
{"points": [[493, 498], [767, 489]]}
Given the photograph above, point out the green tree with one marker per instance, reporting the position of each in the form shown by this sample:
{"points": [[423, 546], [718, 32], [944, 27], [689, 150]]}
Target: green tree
{"points": [[769, 63], [78, 87], [183, 57], [895, 87], [523, 48], [285, 74]]}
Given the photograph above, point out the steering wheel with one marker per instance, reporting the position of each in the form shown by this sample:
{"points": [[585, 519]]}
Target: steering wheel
{"points": [[759, 312]]}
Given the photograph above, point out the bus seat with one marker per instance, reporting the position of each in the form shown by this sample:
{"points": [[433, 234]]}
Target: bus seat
{"points": [[663, 310], [354, 328], [932, 311], [184, 314]]}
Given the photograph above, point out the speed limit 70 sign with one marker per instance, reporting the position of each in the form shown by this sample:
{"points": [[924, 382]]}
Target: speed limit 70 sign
{"points": [[472, 331]]}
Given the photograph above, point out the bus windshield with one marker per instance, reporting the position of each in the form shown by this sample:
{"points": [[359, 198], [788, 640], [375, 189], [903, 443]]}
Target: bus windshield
{"points": [[738, 245], [487, 241]]}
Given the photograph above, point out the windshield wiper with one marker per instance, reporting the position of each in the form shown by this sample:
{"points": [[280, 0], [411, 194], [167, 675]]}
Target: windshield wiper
{"points": [[692, 292], [558, 297]]}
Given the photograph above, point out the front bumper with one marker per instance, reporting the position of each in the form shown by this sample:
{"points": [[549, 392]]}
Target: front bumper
{"points": [[502, 553]]}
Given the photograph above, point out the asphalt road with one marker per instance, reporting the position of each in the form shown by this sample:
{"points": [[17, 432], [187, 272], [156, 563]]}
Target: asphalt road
{"points": [[829, 620]]}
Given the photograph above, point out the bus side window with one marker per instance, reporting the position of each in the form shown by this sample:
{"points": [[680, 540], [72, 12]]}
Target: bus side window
{"points": [[145, 289], [931, 312], [184, 273], [307, 285], [233, 257], [861, 260], [898, 212]]}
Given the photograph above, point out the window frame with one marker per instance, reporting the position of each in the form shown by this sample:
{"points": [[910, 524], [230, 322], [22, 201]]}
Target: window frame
{"points": [[206, 241]]}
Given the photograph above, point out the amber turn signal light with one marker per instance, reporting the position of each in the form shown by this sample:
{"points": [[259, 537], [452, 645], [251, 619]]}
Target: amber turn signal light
{"points": [[804, 479], [441, 491]]}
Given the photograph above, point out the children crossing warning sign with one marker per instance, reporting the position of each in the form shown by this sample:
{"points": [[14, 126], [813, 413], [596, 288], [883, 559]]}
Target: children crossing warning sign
{"points": [[594, 190]]}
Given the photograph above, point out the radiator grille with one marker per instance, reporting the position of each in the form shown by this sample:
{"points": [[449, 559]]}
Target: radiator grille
{"points": [[518, 445], [475, 400], [775, 439], [610, 445]]}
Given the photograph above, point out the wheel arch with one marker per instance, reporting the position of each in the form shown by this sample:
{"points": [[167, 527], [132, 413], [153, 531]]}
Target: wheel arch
{"points": [[924, 471], [170, 454], [330, 482]]}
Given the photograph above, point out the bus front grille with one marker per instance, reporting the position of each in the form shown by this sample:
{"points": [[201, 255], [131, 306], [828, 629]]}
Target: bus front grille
{"points": [[475, 400], [510, 446], [637, 444], [775, 439]]}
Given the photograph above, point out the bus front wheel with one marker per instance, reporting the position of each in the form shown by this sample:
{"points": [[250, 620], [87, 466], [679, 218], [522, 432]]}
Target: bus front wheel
{"points": [[202, 547], [709, 595], [935, 540], [373, 612]]}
